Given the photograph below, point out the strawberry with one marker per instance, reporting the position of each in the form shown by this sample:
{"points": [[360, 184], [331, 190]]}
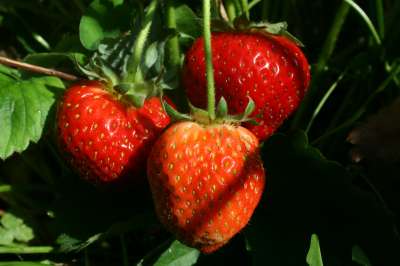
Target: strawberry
{"points": [[206, 181], [271, 69], [106, 139]]}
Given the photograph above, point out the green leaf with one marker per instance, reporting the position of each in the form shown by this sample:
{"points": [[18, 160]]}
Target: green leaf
{"points": [[314, 257], [8, 73], [13, 229], [104, 18], [151, 55], [359, 256], [318, 194], [178, 255], [187, 23], [24, 105]]}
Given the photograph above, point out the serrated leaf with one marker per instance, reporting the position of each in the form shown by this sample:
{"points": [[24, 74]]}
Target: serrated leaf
{"points": [[104, 18], [24, 105], [314, 257], [358, 256], [16, 228], [178, 255]]}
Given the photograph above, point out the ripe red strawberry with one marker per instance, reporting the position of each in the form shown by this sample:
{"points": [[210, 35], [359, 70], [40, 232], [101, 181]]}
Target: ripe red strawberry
{"points": [[270, 69], [206, 181], [106, 139]]}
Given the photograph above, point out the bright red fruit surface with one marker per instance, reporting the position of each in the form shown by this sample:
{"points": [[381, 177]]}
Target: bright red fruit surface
{"points": [[105, 139], [272, 70], [206, 181]]}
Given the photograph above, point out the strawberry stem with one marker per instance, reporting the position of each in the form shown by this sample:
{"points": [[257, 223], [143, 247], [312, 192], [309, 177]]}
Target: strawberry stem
{"points": [[133, 72], [245, 7], [209, 65], [173, 43]]}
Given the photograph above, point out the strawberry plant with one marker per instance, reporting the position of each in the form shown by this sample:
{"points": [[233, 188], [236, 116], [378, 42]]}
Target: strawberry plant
{"points": [[213, 132]]}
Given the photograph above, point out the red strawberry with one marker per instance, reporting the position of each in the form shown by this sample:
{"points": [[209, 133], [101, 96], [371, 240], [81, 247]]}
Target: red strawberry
{"points": [[270, 69], [206, 181], [106, 139]]}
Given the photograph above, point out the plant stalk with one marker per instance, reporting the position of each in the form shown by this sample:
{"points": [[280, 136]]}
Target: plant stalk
{"points": [[133, 72], [325, 54], [26, 250], [173, 44], [245, 7], [208, 55], [36, 69]]}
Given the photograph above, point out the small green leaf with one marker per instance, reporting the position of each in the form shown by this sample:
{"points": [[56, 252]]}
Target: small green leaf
{"points": [[6, 237], [187, 22], [359, 256], [178, 255], [151, 55], [222, 108], [24, 105], [104, 18], [13, 229], [314, 257]]}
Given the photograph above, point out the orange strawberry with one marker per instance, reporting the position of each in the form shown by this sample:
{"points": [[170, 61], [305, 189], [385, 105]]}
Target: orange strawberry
{"points": [[206, 181]]}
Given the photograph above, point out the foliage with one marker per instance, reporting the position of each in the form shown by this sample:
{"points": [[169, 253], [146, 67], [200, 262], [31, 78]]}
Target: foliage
{"points": [[50, 217]]}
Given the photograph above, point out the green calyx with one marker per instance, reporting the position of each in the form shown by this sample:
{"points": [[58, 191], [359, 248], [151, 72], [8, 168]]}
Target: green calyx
{"points": [[242, 24], [201, 116], [132, 65]]}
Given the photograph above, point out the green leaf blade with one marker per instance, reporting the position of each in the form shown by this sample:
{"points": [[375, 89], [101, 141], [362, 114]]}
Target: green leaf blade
{"points": [[178, 255], [314, 257], [24, 105]]}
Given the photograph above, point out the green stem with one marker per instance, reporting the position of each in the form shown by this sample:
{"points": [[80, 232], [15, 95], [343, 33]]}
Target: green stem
{"points": [[125, 259], [209, 65], [373, 31], [86, 257], [230, 9], [380, 17], [245, 7], [173, 43], [330, 42], [362, 109], [133, 72], [26, 250], [326, 52], [323, 101], [367, 20]]}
